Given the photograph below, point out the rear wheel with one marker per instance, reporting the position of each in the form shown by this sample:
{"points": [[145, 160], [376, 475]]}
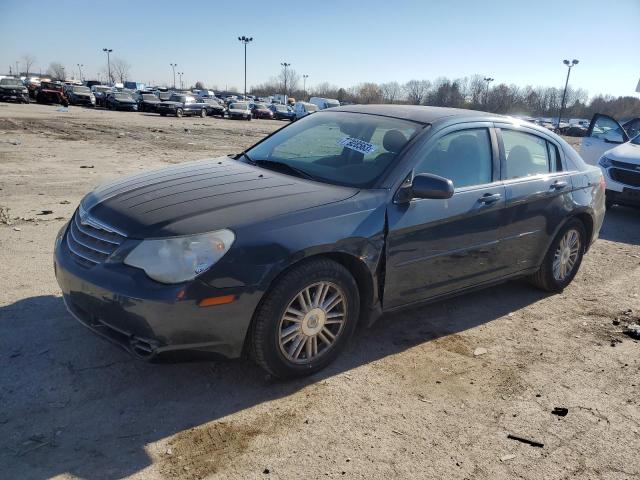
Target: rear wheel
{"points": [[179, 113], [203, 113], [306, 319], [563, 259]]}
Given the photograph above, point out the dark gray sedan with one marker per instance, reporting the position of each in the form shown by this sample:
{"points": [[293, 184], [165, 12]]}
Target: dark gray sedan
{"points": [[283, 249]]}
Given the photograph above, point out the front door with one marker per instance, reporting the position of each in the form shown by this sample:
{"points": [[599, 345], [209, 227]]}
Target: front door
{"points": [[436, 247], [604, 133]]}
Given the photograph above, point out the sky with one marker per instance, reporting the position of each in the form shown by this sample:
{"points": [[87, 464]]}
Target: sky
{"points": [[340, 42]]}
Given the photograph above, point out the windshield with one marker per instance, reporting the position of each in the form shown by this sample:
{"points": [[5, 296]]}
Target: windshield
{"points": [[261, 106], [12, 82], [281, 108], [103, 89], [178, 98], [339, 147], [149, 96], [123, 96], [81, 90], [239, 106], [636, 140]]}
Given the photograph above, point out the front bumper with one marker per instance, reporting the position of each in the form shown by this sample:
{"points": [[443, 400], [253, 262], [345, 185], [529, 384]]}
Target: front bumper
{"points": [[147, 318], [14, 96]]}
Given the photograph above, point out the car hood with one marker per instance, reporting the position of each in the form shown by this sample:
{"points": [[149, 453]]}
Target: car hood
{"points": [[627, 152], [123, 101], [202, 196]]}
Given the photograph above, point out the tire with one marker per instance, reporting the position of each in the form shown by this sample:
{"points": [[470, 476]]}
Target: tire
{"points": [[276, 356], [545, 278], [179, 112], [163, 114], [203, 113]]}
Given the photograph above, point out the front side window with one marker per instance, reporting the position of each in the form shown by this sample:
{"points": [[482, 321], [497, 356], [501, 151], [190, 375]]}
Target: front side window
{"points": [[464, 157], [338, 147], [526, 155]]}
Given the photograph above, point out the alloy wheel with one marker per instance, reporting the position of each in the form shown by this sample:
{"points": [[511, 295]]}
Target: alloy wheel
{"points": [[566, 255], [312, 322]]}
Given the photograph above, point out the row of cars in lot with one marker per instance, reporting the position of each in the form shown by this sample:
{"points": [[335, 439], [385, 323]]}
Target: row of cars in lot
{"points": [[162, 101]]}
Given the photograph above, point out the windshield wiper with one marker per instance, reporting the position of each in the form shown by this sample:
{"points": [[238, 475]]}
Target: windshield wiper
{"points": [[277, 165], [244, 154]]}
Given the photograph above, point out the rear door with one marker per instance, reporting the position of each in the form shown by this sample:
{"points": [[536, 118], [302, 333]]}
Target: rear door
{"points": [[536, 188], [603, 134], [436, 247]]}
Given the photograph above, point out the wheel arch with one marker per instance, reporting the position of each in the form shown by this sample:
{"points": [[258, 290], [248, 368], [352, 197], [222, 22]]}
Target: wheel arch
{"points": [[354, 265]]}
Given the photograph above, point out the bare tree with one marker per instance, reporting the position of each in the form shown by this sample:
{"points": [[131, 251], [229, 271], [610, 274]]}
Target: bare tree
{"points": [[28, 61], [288, 79], [200, 85], [120, 69], [56, 71], [369, 92], [416, 91], [391, 92]]}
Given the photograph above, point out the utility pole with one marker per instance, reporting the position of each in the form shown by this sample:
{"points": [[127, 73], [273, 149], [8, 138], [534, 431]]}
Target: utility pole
{"points": [[285, 65], [108, 51], [304, 83], [173, 66], [570, 65], [80, 65], [245, 40], [486, 96]]}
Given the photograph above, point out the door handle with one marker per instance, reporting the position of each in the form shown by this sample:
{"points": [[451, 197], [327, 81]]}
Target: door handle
{"points": [[489, 198], [558, 185]]}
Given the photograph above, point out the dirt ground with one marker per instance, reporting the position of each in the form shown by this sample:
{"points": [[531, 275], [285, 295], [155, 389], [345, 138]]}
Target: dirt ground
{"points": [[407, 399]]}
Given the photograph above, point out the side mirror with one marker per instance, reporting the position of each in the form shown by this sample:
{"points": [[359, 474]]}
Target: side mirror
{"points": [[426, 185]]}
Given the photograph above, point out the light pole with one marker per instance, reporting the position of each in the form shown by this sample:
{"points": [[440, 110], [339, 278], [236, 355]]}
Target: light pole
{"points": [[80, 65], [285, 65], [173, 66], [486, 95], [108, 51], [570, 65], [181, 84], [304, 83], [245, 40]]}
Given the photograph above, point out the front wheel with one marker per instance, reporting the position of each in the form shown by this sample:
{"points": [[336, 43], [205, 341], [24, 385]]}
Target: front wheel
{"points": [[563, 259], [305, 319], [203, 113], [179, 113]]}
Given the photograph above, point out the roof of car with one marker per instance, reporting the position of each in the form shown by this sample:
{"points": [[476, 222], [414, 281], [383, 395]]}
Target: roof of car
{"points": [[417, 113]]}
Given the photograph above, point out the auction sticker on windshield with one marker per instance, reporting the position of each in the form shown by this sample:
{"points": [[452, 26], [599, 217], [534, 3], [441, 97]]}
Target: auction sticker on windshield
{"points": [[357, 145]]}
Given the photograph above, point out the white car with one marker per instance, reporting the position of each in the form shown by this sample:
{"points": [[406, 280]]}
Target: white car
{"points": [[615, 149], [302, 109]]}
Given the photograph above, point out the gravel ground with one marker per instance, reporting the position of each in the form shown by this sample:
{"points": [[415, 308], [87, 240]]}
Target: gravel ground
{"points": [[407, 399]]}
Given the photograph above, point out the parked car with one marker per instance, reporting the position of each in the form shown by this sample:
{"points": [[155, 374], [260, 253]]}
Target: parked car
{"points": [[323, 103], [182, 105], [329, 222], [91, 83], [239, 110], [12, 89], [260, 110], [80, 95], [617, 149], [52, 92], [121, 101], [100, 92], [282, 112], [134, 86], [214, 107], [301, 109], [148, 102]]}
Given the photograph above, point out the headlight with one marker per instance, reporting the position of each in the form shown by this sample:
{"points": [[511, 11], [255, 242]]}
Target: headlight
{"points": [[24, 90], [178, 259], [605, 162]]}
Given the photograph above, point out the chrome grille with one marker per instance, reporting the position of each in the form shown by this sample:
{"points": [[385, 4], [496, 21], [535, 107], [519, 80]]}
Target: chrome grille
{"points": [[91, 242]]}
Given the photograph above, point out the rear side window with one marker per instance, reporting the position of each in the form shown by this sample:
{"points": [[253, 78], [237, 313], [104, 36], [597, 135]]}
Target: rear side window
{"points": [[464, 157], [527, 155]]}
